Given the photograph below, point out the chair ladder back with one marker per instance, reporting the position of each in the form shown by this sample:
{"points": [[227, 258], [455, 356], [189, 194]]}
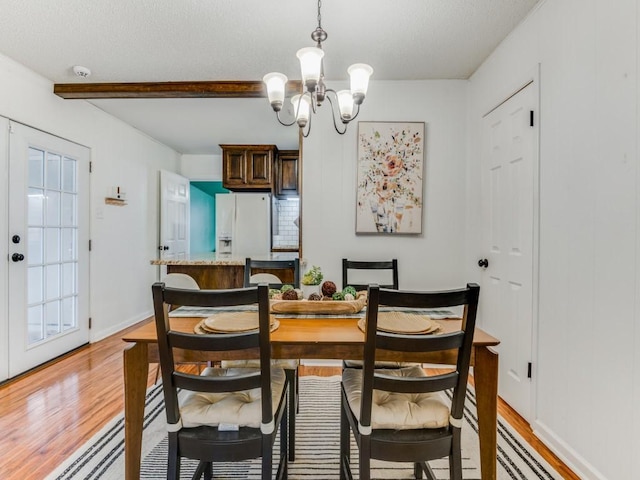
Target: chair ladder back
{"points": [[419, 343], [369, 265], [199, 383], [208, 298], [169, 340], [214, 342], [376, 340], [272, 265], [436, 383], [464, 354]]}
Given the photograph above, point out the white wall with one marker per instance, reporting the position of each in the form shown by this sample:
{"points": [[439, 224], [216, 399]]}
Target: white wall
{"points": [[201, 167], [587, 366], [431, 260], [125, 239]]}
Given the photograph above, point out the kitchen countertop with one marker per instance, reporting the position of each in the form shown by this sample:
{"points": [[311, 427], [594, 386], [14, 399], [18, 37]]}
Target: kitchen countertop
{"points": [[223, 259]]}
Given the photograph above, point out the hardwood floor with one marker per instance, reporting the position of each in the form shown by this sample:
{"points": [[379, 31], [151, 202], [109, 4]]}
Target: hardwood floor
{"points": [[50, 412]]}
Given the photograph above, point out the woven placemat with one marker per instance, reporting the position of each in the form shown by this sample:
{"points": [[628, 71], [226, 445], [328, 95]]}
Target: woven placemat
{"points": [[402, 322], [201, 328], [232, 322]]}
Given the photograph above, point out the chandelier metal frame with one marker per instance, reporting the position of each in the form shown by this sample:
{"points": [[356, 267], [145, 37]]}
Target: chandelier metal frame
{"points": [[316, 91]]}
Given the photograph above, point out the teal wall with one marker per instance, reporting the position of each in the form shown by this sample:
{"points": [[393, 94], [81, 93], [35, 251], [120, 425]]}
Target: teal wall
{"points": [[203, 215]]}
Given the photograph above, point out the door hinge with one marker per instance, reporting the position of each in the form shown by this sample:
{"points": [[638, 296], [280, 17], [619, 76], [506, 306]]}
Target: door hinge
{"points": [[529, 368], [90, 167], [90, 319], [10, 128], [531, 118], [90, 245]]}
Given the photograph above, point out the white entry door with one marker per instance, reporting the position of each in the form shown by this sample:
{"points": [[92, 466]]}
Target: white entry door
{"points": [[509, 157], [174, 216], [48, 252]]}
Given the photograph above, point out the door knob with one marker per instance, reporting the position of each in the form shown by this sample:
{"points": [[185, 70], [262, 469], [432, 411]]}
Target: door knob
{"points": [[483, 262], [15, 239], [17, 257], [163, 247]]}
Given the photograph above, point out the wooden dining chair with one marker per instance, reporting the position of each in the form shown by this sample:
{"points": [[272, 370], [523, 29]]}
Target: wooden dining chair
{"points": [[373, 271], [290, 366], [402, 415], [222, 415]]}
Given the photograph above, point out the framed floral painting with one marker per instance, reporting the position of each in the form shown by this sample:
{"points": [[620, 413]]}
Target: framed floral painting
{"points": [[390, 177]]}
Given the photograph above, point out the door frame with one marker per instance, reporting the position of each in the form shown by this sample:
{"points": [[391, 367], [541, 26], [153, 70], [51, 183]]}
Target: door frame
{"points": [[4, 246], [521, 82]]}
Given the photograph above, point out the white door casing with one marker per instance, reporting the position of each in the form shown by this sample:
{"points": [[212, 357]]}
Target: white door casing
{"points": [[174, 216], [48, 254], [4, 245], [509, 186]]}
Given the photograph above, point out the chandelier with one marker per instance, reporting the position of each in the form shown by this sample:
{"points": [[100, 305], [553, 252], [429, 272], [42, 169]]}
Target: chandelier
{"points": [[311, 65]]}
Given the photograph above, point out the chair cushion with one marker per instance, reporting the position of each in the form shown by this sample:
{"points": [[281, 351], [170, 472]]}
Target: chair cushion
{"points": [[255, 363], [397, 411], [241, 408]]}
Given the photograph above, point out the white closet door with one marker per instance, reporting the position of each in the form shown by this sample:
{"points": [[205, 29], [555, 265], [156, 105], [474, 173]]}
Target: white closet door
{"points": [[509, 163]]}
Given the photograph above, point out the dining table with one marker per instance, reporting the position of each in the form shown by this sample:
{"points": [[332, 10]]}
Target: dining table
{"points": [[320, 337]]}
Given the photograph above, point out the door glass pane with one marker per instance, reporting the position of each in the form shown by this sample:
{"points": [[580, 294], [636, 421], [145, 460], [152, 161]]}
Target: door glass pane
{"points": [[35, 205], [69, 175], [53, 245], [35, 323], [52, 282], [52, 276], [36, 242], [52, 316], [53, 171], [68, 279], [68, 209], [68, 313], [69, 244], [53, 208], [36, 167], [34, 281]]}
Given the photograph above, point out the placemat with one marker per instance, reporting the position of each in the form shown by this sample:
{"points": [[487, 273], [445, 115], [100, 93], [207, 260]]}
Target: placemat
{"points": [[402, 322], [231, 322], [201, 328]]}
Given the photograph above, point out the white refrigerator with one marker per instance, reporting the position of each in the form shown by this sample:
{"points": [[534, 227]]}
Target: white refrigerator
{"points": [[243, 223]]}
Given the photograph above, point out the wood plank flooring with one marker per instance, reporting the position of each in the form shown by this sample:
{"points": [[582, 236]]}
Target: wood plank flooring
{"points": [[47, 414]]}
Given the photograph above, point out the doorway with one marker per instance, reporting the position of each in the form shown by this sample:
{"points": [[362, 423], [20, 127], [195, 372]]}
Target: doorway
{"points": [[509, 222], [47, 283]]}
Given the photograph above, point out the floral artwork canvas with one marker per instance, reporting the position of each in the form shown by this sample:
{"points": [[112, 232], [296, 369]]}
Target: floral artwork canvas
{"points": [[390, 177]]}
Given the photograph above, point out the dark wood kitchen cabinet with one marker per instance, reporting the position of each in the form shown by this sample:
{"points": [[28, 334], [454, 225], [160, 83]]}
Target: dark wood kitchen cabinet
{"points": [[248, 167], [287, 182]]}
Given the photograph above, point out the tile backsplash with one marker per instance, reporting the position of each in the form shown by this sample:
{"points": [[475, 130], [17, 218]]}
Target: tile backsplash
{"points": [[285, 232]]}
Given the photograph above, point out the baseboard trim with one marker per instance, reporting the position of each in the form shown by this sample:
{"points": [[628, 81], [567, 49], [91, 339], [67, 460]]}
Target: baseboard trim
{"points": [[568, 455], [113, 329]]}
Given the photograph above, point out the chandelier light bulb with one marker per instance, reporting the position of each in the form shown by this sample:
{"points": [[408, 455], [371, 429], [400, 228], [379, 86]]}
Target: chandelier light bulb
{"points": [[359, 74], [310, 66], [276, 83], [301, 107], [345, 103]]}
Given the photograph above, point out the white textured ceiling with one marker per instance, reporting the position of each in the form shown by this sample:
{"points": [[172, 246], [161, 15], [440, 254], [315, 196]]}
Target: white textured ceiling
{"points": [[169, 40]]}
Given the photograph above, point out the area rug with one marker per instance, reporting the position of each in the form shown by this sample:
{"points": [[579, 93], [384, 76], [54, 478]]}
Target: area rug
{"points": [[317, 446]]}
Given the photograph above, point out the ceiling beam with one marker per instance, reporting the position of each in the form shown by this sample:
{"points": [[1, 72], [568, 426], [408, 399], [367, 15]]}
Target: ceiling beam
{"points": [[220, 89]]}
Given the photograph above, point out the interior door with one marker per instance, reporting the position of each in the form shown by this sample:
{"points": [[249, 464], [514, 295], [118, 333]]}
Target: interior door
{"points": [[174, 216], [509, 159], [48, 253]]}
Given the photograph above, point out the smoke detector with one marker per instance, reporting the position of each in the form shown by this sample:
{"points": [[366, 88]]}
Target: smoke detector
{"points": [[82, 72]]}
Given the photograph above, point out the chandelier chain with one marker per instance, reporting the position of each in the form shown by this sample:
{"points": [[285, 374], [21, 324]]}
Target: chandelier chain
{"points": [[319, 16]]}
